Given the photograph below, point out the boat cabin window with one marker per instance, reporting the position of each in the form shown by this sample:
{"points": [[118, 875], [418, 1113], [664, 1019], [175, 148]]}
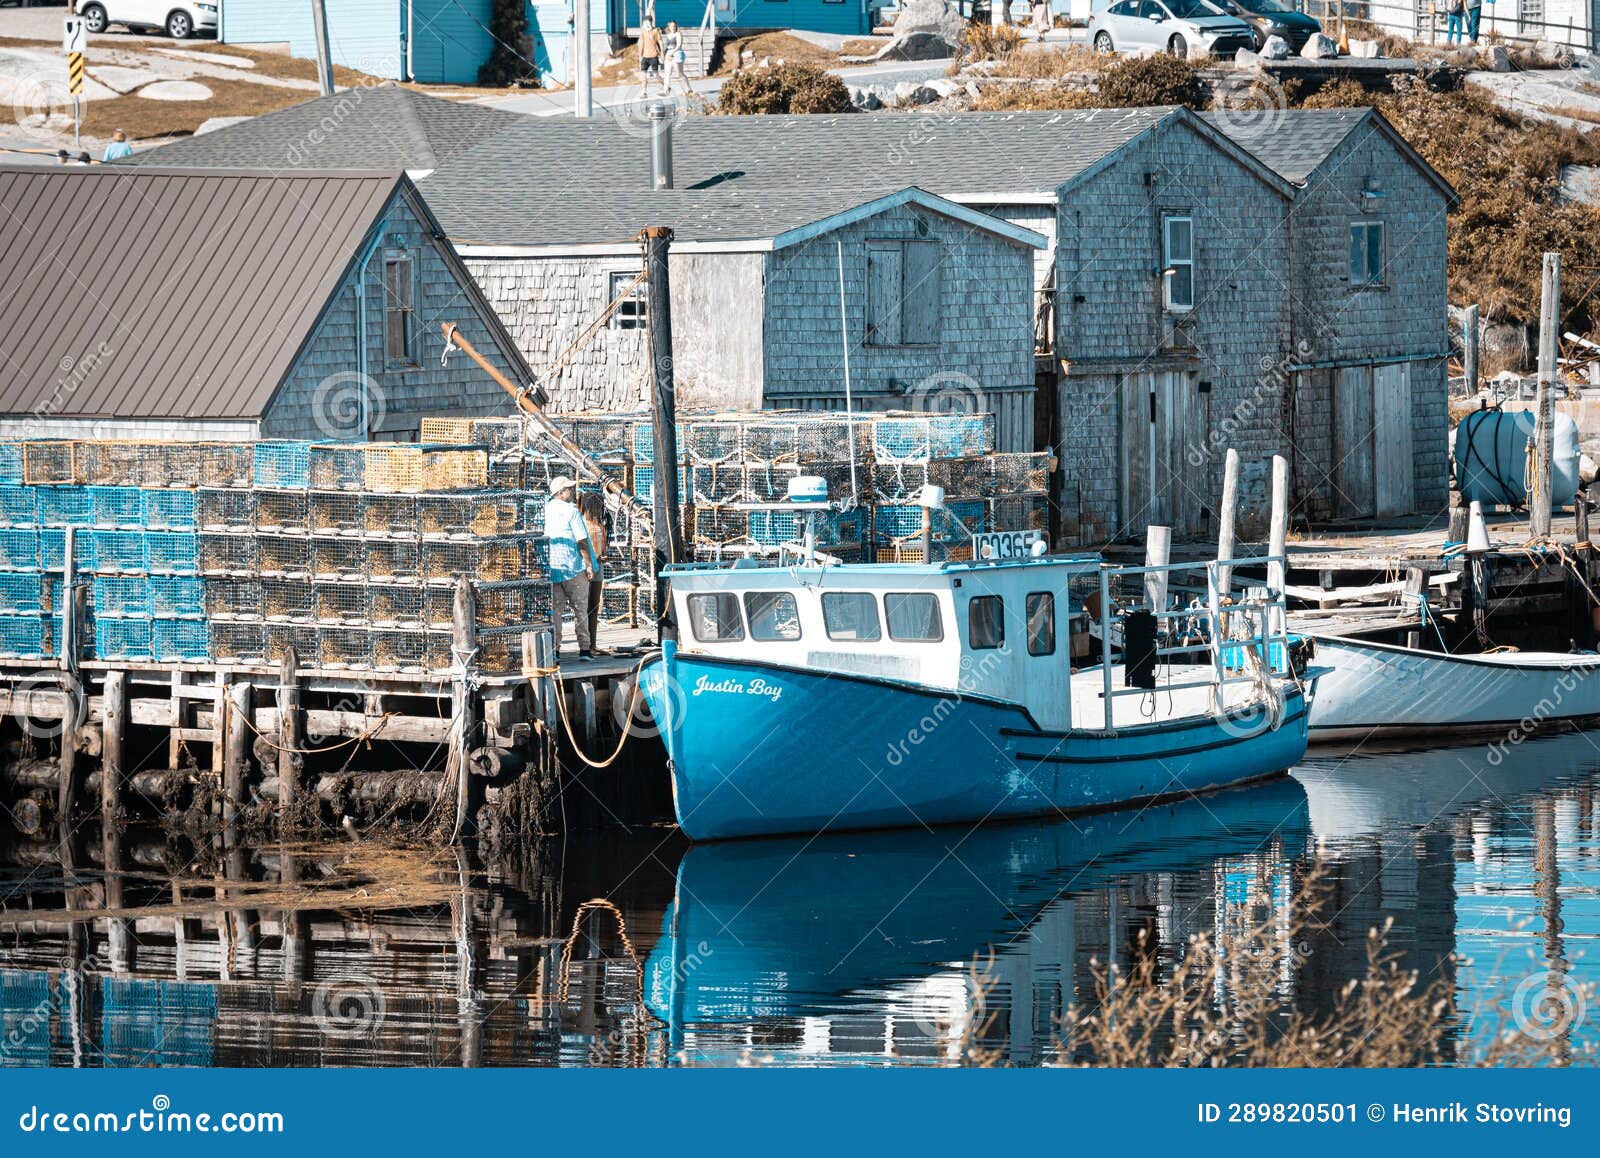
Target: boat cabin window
{"points": [[986, 622], [774, 616], [1041, 609], [913, 617], [851, 615], [715, 618]]}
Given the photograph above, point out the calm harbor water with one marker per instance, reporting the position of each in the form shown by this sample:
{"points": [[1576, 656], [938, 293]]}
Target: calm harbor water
{"points": [[881, 948]]}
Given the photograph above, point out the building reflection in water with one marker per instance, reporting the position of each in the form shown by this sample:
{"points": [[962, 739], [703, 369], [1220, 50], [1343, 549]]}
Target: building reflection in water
{"points": [[136, 948]]}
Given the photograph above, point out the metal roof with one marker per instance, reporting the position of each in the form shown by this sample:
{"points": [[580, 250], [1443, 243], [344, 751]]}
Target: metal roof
{"points": [[151, 292]]}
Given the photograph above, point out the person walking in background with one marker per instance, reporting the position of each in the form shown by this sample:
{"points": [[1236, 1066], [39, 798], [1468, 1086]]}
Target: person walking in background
{"points": [[119, 147], [1474, 17], [1041, 18], [569, 574], [673, 57], [649, 56], [1456, 12], [593, 508]]}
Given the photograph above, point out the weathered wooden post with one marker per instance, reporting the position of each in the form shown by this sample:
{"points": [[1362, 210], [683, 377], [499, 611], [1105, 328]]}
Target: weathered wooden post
{"points": [[668, 536], [1157, 553], [114, 719], [1227, 536], [291, 736], [1416, 592], [1542, 447], [1278, 541], [1469, 349], [236, 749], [463, 651]]}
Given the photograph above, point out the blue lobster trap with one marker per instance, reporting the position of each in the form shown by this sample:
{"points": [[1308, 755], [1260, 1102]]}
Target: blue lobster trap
{"points": [[169, 510], [177, 596], [63, 506], [179, 639], [119, 596], [284, 464], [116, 507], [116, 638], [21, 591], [174, 552]]}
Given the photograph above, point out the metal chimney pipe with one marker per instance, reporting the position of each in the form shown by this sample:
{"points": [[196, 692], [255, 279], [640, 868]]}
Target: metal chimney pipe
{"points": [[660, 146]]}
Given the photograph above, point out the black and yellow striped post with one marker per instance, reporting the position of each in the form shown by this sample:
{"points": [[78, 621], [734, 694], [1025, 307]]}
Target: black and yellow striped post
{"points": [[75, 67]]}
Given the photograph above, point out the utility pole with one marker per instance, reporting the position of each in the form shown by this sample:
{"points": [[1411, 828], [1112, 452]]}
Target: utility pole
{"points": [[319, 20], [583, 78], [1542, 448], [668, 537]]}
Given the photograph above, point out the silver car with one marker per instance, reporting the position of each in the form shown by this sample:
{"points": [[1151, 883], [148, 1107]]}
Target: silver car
{"points": [[1180, 27]]}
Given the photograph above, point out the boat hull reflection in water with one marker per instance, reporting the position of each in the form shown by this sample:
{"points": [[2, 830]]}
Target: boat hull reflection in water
{"points": [[785, 929]]}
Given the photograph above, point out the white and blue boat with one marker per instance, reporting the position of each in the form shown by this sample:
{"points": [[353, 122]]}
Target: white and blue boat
{"points": [[821, 697]]}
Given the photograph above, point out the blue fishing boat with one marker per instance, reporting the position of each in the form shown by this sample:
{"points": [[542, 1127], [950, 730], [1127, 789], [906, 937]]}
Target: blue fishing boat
{"points": [[819, 697]]}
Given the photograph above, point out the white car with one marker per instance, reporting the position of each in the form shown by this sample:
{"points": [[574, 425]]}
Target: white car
{"points": [[1180, 27], [180, 18]]}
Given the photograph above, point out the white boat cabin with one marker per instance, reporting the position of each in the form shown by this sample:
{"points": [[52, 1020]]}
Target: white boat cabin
{"points": [[995, 629]]}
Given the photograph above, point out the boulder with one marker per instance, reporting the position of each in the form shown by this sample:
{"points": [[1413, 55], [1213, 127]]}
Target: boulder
{"points": [[925, 30], [944, 87], [1276, 48], [908, 93], [1499, 57], [1244, 58], [921, 45], [1365, 49], [1320, 47], [973, 90]]}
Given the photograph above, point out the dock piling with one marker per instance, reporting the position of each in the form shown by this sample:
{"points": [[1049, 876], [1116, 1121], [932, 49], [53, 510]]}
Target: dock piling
{"points": [[114, 714], [1227, 516], [236, 748], [291, 734], [1542, 446]]}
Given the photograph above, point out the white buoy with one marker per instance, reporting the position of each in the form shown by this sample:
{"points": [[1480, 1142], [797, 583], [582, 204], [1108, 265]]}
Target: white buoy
{"points": [[1477, 532]]}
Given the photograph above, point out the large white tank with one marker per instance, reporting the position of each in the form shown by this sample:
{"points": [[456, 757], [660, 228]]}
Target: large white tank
{"points": [[1492, 457]]}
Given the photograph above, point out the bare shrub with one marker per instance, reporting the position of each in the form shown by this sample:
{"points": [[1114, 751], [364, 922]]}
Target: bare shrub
{"points": [[784, 88]]}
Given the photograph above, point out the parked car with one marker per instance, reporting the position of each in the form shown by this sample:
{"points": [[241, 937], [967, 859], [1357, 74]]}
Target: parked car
{"points": [[1175, 26], [180, 19], [1270, 18]]}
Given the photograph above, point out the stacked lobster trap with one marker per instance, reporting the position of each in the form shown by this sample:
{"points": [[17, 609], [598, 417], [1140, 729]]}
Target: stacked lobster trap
{"points": [[347, 553], [728, 465]]}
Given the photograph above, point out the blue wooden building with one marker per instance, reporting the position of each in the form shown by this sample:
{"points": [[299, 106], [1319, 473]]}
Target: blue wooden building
{"points": [[447, 41]]}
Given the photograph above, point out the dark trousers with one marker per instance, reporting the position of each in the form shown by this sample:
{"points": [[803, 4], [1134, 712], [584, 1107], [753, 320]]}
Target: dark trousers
{"points": [[572, 594], [597, 588], [1474, 15]]}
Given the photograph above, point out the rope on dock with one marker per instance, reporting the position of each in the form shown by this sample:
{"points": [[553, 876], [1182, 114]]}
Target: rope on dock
{"points": [[627, 726]]}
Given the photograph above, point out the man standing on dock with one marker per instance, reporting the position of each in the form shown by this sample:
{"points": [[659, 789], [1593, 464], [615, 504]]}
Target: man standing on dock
{"points": [[569, 574]]}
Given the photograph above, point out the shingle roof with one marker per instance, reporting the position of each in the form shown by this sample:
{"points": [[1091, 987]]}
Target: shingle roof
{"points": [[1292, 142], [379, 127], [151, 292], [697, 215]]}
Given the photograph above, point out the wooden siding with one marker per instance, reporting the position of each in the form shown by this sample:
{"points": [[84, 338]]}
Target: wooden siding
{"points": [[363, 34], [1403, 319], [844, 17], [1110, 322], [308, 404], [985, 324]]}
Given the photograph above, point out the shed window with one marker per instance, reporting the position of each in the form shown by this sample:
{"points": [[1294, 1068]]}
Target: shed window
{"points": [[399, 309], [631, 313], [1041, 609], [986, 622], [905, 293], [913, 617], [774, 616], [1366, 253], [715, 618], [851, 615], [1177, 263]]}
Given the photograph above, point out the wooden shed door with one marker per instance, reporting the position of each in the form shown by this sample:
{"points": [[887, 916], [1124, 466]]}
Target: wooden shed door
{"points": [[1372, 473], [1164, 420]]}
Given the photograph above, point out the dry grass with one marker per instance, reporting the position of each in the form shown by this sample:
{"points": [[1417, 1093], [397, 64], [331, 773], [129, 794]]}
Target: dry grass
{"points": [[1051, 63], [143, 119], [775, 46], [1223, 1002], [1123, 82], [865, 46]]}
